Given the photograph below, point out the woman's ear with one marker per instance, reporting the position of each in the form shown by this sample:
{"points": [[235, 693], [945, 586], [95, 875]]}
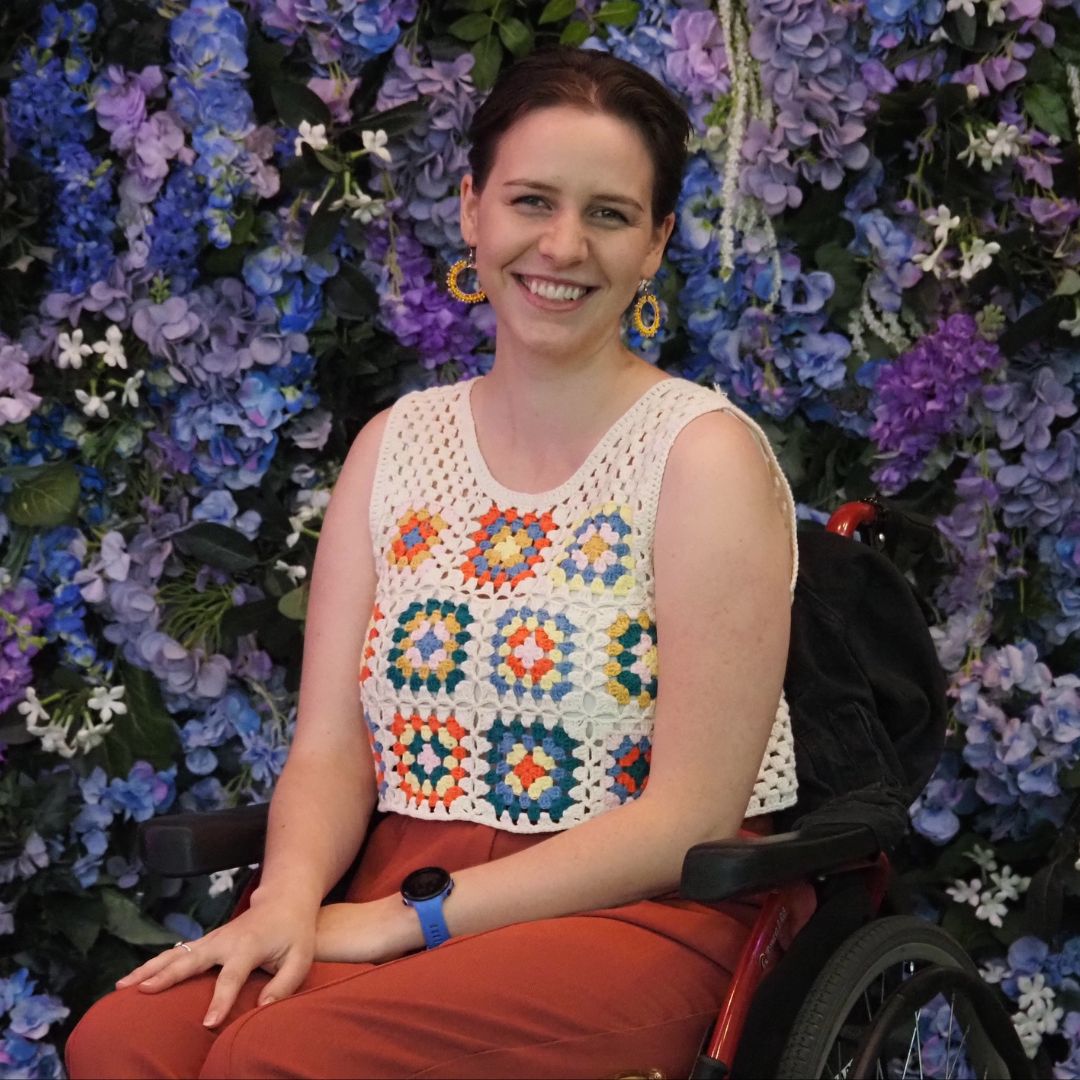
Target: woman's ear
{"points": [[661, 234], [470, 211]]}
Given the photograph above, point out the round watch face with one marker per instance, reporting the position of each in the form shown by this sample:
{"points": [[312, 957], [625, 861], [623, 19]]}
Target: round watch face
{"points": [[424, 884]]}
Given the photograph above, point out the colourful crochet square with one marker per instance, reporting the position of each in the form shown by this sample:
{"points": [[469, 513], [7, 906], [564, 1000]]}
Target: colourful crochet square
{"points": [[376, 754], [532, 654], [429, 646], [507, 546], [599, 557], [417, 533], [632, 670], [530, 770], [369, 648], [430, 757], [630, 771]]}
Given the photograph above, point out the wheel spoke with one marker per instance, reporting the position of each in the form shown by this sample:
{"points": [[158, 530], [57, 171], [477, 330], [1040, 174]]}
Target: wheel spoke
{"points": [[918, 1042]]}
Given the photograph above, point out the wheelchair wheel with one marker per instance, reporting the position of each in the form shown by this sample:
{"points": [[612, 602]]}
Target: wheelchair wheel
{"points": [[900, 999]]}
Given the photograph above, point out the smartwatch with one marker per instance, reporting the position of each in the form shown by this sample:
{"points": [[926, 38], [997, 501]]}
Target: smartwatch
{"points": [[424, 891]]}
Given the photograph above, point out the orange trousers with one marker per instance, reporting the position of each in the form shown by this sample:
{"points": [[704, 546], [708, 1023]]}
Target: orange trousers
{"points": [[627, 988]]}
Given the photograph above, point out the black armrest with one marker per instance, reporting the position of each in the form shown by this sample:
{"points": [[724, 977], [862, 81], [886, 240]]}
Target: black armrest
{"points": [[184, 845], [725, 868]]}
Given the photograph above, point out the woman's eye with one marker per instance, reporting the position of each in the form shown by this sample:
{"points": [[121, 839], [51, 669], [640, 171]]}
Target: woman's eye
{"points": [[608, 214], [529, 200]]}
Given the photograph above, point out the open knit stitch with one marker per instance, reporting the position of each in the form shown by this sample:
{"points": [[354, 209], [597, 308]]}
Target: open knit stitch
{"points": [[510, 668]]}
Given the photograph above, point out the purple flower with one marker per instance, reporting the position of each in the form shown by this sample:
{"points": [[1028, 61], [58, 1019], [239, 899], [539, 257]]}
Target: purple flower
{"points": [[16, 400], [697, 64]]}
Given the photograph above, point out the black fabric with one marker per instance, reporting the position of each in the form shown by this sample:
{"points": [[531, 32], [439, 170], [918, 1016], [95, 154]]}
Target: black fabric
{"points": [[865, 689]]}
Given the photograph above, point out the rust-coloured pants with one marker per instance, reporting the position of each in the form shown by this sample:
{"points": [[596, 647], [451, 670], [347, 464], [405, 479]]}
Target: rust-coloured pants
{"points": [[633, 987]]}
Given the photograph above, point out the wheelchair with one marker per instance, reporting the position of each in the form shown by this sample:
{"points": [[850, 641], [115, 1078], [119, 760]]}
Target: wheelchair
{"points": [[827, 985]]}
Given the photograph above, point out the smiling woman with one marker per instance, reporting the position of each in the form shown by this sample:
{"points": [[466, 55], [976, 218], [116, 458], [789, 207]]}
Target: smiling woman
{"points": [[530, 533]]}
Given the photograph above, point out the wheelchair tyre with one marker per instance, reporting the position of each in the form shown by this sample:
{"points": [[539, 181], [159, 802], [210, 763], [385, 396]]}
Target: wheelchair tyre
{"points": [[901, 998]]}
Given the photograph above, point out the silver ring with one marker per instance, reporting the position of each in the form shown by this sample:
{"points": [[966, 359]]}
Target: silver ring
{"points": [[182, 945]]}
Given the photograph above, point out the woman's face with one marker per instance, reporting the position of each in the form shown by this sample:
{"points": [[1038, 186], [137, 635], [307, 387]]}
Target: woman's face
{"points": [[563, 230]]}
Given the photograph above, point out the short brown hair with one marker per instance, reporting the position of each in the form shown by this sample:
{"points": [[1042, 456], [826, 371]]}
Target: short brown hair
{"points": [[596, 82]]}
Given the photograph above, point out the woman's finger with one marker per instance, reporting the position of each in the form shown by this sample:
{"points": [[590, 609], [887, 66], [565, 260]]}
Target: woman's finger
{"points": [[150, 968], [233, 975], [290, 975], [179, 964]]}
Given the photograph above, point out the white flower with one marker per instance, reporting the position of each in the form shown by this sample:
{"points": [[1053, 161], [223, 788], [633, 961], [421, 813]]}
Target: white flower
{"points": [[1035, 995], [107, 701], [1073, 327], [54, 741], [991, 909], [223, 881], [977, 256], [72, 350], [295, 574], [91, 736], [943, 221], [1028, 1031], [313, 135], [32, 709], [362, 206], [983, 857], [1047, 1021], [1010, 885], [130, 393], [111, 350], [375, 143], [995, 11], [994, 971], [964, 893], [966, 6], [95, 405]]}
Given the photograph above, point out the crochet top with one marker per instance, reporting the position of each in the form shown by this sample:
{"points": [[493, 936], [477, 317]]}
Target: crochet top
{"points": [[509, 673]]}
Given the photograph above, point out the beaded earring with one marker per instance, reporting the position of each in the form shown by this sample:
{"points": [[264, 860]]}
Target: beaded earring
{"points": [[644, 298], [452, 276]]}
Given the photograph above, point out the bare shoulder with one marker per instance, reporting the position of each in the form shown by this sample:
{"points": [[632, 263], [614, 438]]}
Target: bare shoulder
{"points": [[720, 450], [358, 471]]}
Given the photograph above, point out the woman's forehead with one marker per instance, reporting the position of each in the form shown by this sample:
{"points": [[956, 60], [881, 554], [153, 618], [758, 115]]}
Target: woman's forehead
{"points": [[561, 142]]}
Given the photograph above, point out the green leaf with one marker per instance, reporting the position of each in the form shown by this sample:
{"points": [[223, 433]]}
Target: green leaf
{"points": [[396, 121], [351, 295], [78, 918], [516, 36], [49, 497], [293, 605], [471, 27], [574, 33], [488, 55], [966, 28], [146, 732], [218, 546], [247, 618], [554, 10], [295, 102], [124, 920], [1047, 110], [1069, 285], [329, 163], [619, 12], [323, 228]]}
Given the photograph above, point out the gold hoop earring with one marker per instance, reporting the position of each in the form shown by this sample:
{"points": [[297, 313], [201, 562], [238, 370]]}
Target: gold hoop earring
{"points": [[451, 281], [653, 326]]}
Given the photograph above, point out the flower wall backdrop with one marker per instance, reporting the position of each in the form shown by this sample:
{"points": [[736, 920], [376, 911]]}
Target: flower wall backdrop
{"points": [[223, 230]]}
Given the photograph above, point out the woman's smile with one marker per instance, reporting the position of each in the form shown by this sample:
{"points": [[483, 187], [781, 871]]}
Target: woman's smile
{"points": [[555, 295]]}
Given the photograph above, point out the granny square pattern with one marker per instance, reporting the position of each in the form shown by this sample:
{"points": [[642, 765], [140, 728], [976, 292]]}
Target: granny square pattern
{"points": [[510, 670]]}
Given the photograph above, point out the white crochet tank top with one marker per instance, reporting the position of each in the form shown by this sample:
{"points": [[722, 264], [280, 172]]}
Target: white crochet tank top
{"points": [[510, 669]]}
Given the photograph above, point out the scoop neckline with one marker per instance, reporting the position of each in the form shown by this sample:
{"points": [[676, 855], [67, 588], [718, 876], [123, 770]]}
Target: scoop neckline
{"points": [[479, 465]]}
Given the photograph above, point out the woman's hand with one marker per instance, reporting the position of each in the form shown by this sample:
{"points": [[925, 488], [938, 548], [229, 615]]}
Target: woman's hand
{"points": [[367, 933], [275, 935]]}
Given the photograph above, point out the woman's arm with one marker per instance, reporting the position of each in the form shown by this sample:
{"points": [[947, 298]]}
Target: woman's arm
{"points": [[722, 567], [324, 798], [325, 795]]}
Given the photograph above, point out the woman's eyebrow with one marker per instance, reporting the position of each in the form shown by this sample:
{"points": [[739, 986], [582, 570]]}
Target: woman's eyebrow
{"points": [[550, 189]]}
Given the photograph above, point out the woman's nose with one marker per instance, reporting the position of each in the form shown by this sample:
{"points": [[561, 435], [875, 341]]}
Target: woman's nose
{"points": [[563, 241]]}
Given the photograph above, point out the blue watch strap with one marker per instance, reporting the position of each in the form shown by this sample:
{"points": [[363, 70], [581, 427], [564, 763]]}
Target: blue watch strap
{"points": [[432, 922]]}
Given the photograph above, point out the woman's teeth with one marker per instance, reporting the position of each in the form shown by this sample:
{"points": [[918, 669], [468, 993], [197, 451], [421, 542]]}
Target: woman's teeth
{"points": [[550, 291]]}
